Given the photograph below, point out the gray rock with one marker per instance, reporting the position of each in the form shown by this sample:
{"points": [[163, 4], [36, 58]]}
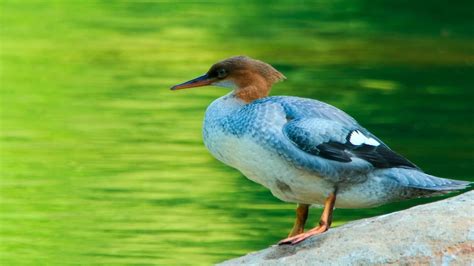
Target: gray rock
{"points": [[439, 233]]}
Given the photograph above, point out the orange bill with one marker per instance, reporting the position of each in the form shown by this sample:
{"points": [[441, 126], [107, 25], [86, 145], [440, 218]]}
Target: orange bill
{"points": [[203, 80]]}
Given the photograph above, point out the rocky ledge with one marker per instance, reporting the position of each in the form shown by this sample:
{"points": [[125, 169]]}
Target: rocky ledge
{"points": [[439, 233]]}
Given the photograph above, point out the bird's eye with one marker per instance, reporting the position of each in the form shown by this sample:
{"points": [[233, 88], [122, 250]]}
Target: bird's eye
{"points": [[221, 73]]}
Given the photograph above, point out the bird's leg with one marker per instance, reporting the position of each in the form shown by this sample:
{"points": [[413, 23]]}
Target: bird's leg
{"points": [[324, 223], [301, 216]]}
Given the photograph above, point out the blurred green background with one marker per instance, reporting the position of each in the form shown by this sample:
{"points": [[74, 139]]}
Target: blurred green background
{"points": [[102, 164]]}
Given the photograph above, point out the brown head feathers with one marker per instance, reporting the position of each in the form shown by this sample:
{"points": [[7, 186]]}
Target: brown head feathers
{"points": [[251, 79]]}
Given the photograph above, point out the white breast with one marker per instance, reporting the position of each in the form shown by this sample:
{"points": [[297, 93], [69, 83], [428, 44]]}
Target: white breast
{"points": [[268, 169], [258, 163], [263, 165]]}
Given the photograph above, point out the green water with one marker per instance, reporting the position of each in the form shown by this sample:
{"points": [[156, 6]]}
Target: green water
{"points": [[102, 164]]}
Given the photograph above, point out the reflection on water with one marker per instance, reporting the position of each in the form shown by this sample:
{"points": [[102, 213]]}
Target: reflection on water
{"points": [[101, 163]]}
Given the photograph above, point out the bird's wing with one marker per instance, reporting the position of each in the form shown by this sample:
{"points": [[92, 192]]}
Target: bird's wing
{"points": [[342, 143], [324, 139]]}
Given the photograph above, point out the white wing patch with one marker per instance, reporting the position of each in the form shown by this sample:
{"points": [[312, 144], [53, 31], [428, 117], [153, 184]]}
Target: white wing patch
{"points": [[372, 142], [357, 138]]}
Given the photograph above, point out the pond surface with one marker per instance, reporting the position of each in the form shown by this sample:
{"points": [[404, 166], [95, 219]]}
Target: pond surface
{"points": [[102, 164]]}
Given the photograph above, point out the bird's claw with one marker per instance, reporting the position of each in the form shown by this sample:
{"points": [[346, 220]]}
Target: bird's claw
{"points": [[300, 237]]}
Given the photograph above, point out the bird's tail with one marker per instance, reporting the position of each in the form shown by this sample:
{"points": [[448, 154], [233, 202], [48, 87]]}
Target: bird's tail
{"points": [[413, 178]]}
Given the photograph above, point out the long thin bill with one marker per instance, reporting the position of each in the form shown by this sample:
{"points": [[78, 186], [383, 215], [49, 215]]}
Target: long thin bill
{"points": [[203, 80]]}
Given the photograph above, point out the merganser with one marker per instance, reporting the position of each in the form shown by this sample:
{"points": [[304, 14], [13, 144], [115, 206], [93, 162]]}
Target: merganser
{"points": [[303, 150]]}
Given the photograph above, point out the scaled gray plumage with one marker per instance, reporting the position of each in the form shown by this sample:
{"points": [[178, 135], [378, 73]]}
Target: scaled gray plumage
{"points": [[315, 137]]}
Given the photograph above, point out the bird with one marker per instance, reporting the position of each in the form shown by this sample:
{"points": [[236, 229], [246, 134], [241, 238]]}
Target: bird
{"points": [[303, 150]]}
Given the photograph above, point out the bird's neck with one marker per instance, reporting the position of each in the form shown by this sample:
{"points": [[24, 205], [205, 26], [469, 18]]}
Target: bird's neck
{"points": [[257, 83], [253, 88], [251, 93]]}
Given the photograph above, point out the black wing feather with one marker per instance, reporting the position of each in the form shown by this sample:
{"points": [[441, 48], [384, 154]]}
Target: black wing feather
{"points": [[333, 151], [380, 156], [383, 157]]}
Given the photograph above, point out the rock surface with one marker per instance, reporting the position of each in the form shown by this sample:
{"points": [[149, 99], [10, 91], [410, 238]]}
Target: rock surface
{"points": [[439, 233]]}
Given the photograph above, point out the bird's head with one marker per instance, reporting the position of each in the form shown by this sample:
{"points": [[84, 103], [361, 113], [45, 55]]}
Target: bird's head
{"points": [[249, 78]]}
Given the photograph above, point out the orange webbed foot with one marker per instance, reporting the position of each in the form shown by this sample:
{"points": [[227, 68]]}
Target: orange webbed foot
{"points": [[324, 223], [300, 237]]}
